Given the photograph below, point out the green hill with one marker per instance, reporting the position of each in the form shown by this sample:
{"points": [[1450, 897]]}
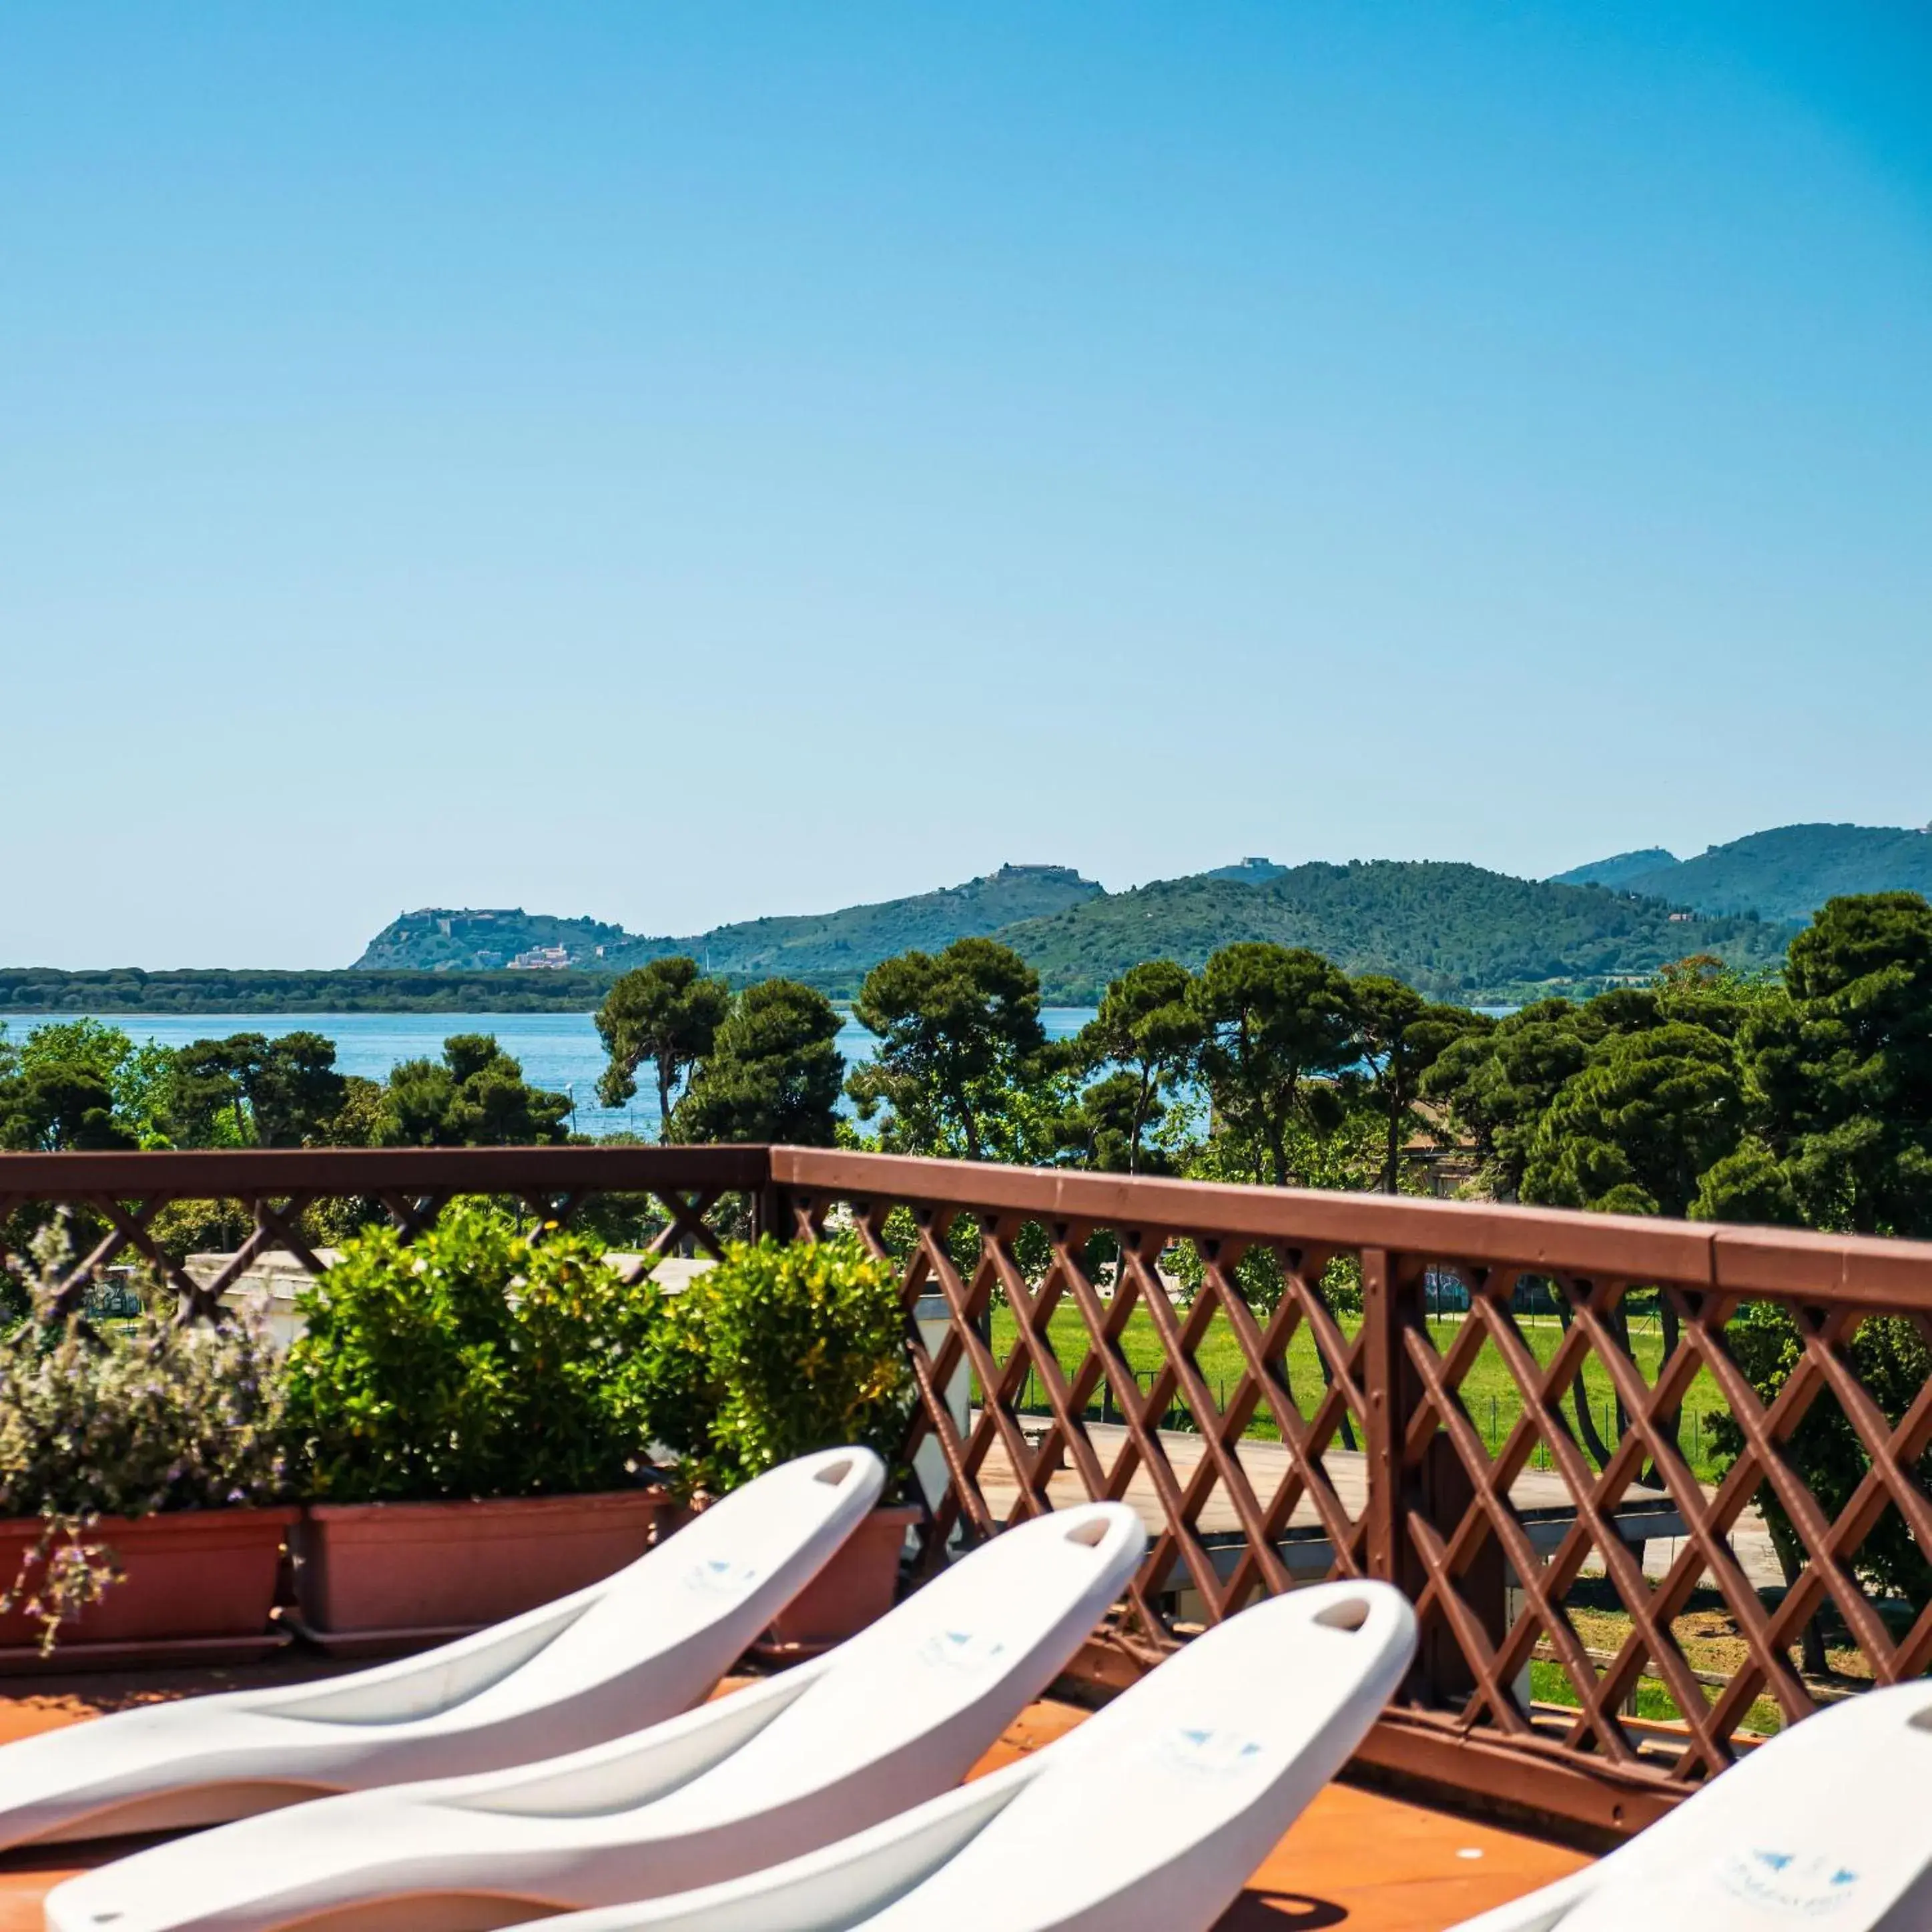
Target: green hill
{"points": [[1246, 871], [440, 939], [1617, 873], [836, 949], [832, 948], [1784, 874], [1454, 931]]}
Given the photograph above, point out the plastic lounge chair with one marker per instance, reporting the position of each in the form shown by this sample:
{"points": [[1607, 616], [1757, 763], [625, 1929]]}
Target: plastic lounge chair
{"points": [[893, 1716], [640, 1646], [1828, 1824], [1150, 1817]]}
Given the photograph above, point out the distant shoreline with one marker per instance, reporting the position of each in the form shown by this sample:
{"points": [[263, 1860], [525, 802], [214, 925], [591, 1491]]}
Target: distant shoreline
{"points": [[47, 992], [35, 994]]}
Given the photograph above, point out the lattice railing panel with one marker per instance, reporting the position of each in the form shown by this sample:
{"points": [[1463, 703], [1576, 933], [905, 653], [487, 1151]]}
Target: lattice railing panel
{"points": [[1524, 1542], [149, 1211], [1540, 1426], [1213, 1383]]}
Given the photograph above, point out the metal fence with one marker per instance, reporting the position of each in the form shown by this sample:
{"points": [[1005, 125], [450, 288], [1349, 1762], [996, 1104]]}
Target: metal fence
{"points": [[1541, 1425]]}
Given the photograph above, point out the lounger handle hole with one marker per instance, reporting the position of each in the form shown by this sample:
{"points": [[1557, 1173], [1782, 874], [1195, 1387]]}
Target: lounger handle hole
{"points": [[1350, 1614], [835, 1472], [1089, 1535]]}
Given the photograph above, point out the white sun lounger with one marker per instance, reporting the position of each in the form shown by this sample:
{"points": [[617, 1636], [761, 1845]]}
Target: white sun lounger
{"points": [[1829, 1824], [639, 1647], [891, 1717], [1150, 1817]]}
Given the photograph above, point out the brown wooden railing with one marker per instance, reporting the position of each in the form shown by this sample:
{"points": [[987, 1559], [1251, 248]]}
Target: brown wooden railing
{"points": [[1509, 1413], [121, 1198]]}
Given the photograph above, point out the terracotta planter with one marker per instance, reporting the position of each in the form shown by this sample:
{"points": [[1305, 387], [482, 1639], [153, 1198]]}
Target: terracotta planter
{"points": [[856, 1588], [369, 1571], [204, 1578]]}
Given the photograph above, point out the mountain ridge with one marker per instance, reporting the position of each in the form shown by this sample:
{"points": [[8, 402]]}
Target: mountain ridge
{"points": [[1785, 873], [1454, 931], [796, 945], [1451, 930], [1618, 871]]}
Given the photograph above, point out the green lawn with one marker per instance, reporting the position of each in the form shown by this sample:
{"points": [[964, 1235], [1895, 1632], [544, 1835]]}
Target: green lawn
{"points": [[1549, 1684], [1489, 1393]]}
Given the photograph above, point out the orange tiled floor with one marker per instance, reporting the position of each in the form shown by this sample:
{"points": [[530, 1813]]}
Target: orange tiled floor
{"points": [[1355, 1858]]}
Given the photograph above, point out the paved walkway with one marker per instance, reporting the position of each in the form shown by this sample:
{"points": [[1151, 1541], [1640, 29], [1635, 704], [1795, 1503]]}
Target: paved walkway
{"points": [[1355, 1858], [1540, 1496]]}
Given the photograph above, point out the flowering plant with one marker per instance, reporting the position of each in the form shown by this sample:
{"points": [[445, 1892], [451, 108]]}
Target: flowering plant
{"points": [[123, 1419]]}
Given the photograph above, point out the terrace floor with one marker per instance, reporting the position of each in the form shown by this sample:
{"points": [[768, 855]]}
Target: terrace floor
{"points": [[1355, 1858]]}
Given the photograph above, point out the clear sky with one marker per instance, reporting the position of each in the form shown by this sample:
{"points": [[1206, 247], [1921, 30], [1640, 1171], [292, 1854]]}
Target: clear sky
{"points": [[683, 461]]}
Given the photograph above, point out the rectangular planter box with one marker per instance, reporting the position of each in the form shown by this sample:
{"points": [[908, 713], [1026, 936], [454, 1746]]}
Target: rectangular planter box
{"points": [[190, 1576], [856, 1588], [382, 1571]]}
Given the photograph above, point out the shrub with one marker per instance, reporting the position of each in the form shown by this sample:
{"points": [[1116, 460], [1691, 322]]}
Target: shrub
{"points": [[777, 1351], [474, 1361], [128, 1419]]}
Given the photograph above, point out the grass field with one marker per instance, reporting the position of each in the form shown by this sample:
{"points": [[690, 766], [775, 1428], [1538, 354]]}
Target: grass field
{"points": [[1489, 1391]]}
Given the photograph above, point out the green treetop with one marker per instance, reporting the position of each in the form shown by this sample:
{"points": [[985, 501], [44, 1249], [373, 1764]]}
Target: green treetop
{"points": [[1497, 1082], [1841, 1072], [475, 1096], [666, 1013], [960, 1040], [1274, 1020], [1400, 1036], [76, 1085], [248, 1089], [1148, 1032], [772, 1073], [1634, 1131]]}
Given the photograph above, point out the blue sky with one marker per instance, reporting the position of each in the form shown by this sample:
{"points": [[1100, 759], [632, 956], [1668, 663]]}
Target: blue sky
{"points": [[681, 462]]}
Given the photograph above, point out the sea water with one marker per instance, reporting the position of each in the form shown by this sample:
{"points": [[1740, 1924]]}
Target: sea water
{"points": [[559, 1051]]}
